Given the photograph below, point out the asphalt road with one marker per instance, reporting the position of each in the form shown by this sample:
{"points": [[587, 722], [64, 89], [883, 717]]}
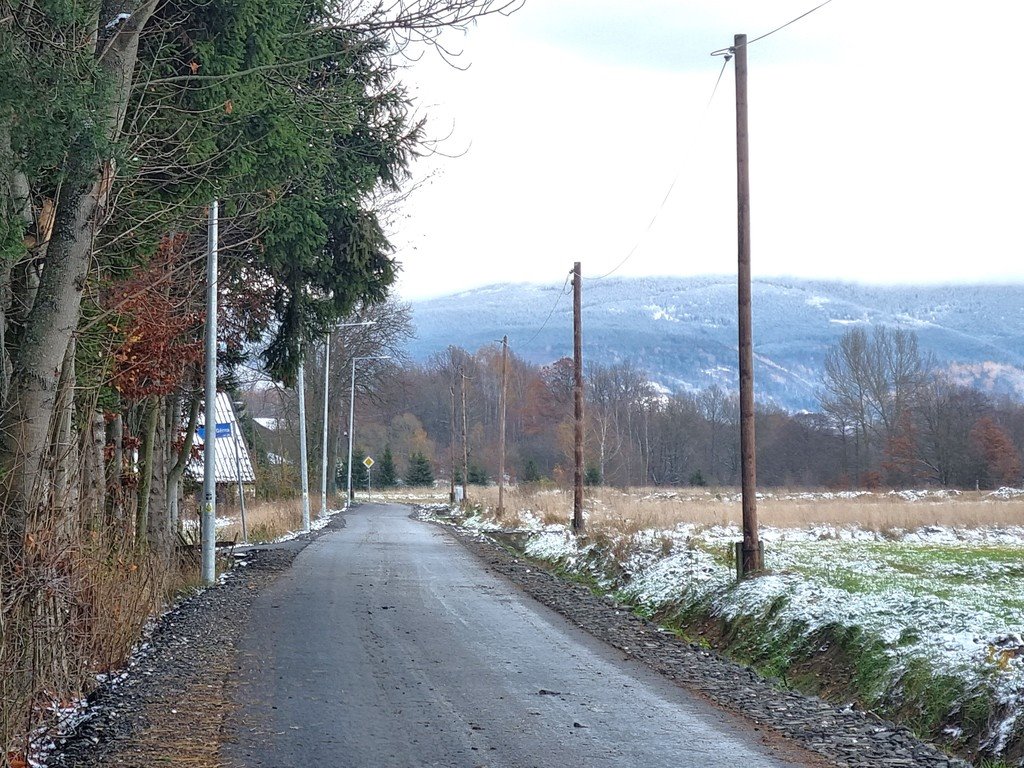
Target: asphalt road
{"points": [[387, 644]]}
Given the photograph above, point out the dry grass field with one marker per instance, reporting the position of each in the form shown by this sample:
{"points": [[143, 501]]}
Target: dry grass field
{"points": [[265, 520], [645, 509]]}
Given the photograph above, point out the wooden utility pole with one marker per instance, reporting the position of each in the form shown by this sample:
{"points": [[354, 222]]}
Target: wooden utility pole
{"points": [[465, 446], [752, 559], [501, 424], [577, 393], [451, 494]]}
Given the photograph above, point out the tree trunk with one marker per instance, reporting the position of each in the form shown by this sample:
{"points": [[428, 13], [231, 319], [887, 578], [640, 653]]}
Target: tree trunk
{"points": [[159, 524], [94, 485], [115, 469], [54, 315], [146, 452], [14, 197], [64, 446], [175, 473]]}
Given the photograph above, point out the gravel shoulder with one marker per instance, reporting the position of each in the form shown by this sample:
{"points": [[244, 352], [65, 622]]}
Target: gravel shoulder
{"points": [[842, 736], [169, 706]]}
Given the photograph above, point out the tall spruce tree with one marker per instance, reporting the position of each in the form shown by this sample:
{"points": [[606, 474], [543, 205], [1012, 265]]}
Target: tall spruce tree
{"points": [[420, 472], [386, 475]]}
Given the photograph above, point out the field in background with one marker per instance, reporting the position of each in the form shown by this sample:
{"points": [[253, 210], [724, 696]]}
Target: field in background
{"points": [[406, 495], [909, 603], [269, 521], [640, 509]]}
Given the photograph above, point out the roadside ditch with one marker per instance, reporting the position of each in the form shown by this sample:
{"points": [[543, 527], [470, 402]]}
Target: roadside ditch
{"points": [[690, 648]]}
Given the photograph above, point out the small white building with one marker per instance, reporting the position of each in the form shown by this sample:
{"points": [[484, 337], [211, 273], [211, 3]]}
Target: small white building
{"points": [[232, 461]]}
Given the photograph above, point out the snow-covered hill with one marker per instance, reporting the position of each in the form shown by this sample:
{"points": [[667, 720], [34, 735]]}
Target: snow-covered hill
{"points": [[683, 330]]}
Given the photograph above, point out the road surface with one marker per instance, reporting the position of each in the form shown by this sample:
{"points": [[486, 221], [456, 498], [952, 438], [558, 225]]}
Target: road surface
{"points": [[388, 644]]}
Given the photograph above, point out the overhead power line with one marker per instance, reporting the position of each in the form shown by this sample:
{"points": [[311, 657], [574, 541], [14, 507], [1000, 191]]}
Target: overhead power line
{"points": [[728, 51], [791, 21], [554, 306], [721, 72], [643, 235]]}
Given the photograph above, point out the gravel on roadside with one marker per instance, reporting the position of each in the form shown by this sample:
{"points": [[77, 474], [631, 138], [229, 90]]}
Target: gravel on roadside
{"points": [[170, 705], [844, 736]]}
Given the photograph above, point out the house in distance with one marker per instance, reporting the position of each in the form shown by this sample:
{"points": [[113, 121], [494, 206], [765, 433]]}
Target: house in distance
{"points": [[233, 462]]}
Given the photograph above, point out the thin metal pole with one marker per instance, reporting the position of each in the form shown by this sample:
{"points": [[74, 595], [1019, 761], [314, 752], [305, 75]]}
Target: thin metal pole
{"points": [[208, 529], [751, 544], [323, 463], [578, 525], [238, 476], [465, 447], [501, 423], [351, 419], [300, 383], [352, 412]]}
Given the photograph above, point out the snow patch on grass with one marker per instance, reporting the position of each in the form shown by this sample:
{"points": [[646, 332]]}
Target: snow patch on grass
{"points": [[945, 597]]}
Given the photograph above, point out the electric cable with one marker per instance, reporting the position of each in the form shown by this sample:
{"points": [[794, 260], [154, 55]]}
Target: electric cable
{"points": [[554, 306], [728, 51]]}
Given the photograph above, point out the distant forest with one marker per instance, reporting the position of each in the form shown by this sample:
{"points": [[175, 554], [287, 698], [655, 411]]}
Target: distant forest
{"points": [[887, 416]]}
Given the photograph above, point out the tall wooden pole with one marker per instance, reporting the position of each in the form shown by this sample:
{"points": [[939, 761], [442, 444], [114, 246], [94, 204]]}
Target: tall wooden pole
{"points": [[451, 493], [465, 447], [751, 542], [577, 393], [501, 424]]}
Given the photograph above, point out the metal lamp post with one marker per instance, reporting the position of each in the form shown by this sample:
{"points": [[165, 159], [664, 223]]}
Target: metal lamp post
{"points": [[327, 387], [303, 460], [208, 528], [351, 417]]}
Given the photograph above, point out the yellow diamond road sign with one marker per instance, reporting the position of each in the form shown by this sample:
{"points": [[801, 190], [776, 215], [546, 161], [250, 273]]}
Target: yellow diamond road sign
{"points": [[368, 462]]}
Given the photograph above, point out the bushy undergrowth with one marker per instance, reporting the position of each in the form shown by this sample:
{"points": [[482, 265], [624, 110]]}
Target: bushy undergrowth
{"points": [[72, 608]]}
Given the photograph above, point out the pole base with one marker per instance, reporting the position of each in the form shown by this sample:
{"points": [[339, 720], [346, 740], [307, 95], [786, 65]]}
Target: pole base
{"points": [[739, 553]]}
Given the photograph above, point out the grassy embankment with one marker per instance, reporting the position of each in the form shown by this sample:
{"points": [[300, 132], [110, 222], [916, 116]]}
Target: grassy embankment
{"points": [[913, 609]]}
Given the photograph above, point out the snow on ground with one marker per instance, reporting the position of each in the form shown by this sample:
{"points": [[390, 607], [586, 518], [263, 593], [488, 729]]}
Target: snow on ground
{"points": [[193, 524], [928, 494], [1006, 493], [393, 495], [948, 597], [316, 523]]}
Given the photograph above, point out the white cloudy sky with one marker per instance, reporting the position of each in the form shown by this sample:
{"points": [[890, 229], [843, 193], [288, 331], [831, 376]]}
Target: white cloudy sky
{"points": [[886, 144]]}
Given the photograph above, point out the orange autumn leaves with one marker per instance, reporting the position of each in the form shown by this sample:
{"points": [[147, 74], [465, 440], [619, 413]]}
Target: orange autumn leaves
{"points": [[158, 324]]}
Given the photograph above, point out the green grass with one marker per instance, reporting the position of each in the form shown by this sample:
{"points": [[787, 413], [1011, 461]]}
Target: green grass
{"points": [[987, 577], [886, 624]]}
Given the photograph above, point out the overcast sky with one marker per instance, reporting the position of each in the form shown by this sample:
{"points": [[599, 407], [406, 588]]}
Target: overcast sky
{"points": [[886, 144]]}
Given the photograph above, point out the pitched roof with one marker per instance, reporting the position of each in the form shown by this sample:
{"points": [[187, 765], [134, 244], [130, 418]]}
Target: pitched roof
{"points": [[232, 454]]}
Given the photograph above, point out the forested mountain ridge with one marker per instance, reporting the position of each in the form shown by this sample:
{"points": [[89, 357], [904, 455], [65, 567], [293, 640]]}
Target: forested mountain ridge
{"points": [[682, 331]]}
